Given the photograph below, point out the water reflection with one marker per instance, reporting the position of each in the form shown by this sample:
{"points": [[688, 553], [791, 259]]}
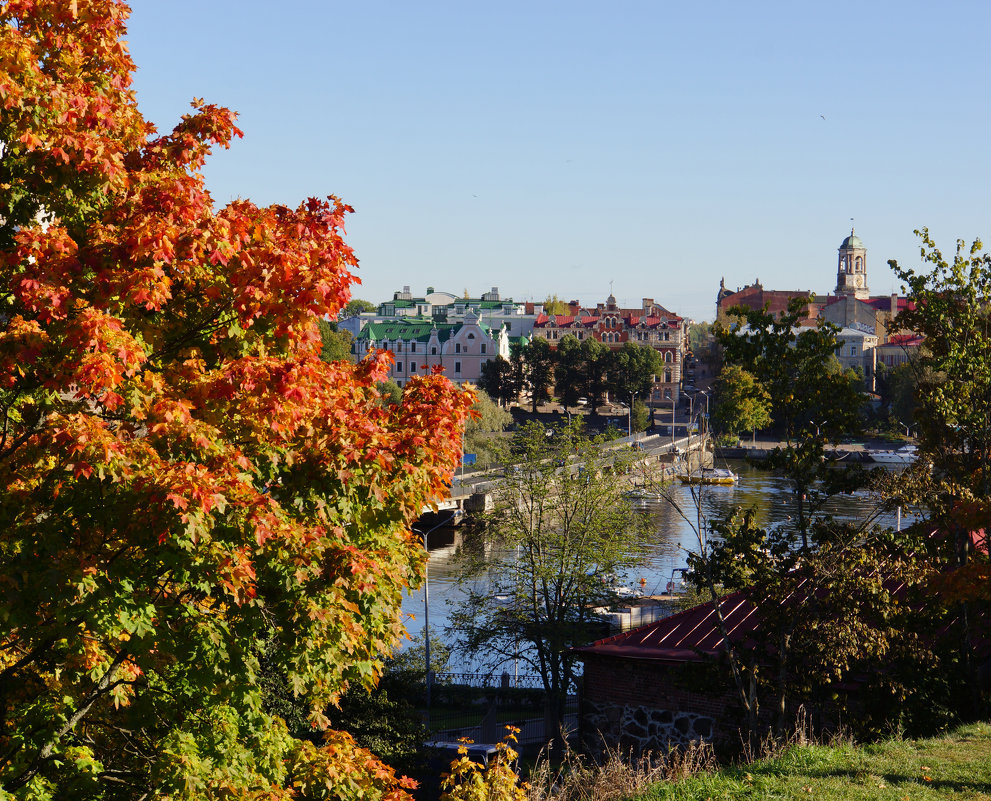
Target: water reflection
{"points": [[674, 534]]}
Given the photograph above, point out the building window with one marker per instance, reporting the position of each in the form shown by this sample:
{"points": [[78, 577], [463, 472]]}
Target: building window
{"points": [[457, 368], [412, 367], [483, 347], [853, 350], [667, 356], [457, 347], [667, 376], [667, 394], [399, 367], [412, 347], [433, 351]]}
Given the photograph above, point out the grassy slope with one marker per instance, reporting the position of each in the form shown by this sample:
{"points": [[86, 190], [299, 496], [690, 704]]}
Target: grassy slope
{"points": [[957, 766]]}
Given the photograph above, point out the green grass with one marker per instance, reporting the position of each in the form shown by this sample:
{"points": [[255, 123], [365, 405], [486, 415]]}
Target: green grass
{"points": [[957, 766]]}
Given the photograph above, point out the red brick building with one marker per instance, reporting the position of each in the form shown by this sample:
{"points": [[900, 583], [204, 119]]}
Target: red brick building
{"points": [[651, 325], [662, 684], [756, 297]]}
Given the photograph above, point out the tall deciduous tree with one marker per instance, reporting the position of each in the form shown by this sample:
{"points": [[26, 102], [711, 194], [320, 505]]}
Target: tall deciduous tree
{"points": [[356, 306], [335, 343], [812, 401], [581, 370], [498, 380], [804, 571], [561, 526], [533, 369], [952, 309], [183, 482], [569, 370], [482, 433], [632, 369], [741, 404]]}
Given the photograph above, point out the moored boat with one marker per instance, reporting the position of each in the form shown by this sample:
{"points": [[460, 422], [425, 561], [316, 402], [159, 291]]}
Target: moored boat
{"points": [[709, 475], [906, 454]]}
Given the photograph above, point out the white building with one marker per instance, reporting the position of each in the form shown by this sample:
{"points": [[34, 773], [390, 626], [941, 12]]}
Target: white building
{"points": [[418, 344]]}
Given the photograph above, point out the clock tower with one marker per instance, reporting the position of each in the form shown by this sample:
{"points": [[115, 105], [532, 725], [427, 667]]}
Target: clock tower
{"points": [[851, 273]]}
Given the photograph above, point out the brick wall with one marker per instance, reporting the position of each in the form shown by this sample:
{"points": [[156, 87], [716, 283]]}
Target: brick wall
{"points": [[647, 705]]}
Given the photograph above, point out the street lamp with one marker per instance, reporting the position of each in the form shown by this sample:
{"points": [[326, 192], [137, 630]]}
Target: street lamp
{"points": [[703, 392], [426, 609]]}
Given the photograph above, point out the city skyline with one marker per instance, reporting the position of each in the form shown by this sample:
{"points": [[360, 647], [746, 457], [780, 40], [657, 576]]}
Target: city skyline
{"points": [[551, 149]]}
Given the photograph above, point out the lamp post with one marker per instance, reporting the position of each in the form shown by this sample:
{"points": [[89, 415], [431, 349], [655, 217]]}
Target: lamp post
{"points": [[674, 413], [426, 610]]}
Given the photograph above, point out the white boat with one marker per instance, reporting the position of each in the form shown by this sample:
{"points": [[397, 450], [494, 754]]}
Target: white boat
{"points": [[709, 475], [906, 454]]}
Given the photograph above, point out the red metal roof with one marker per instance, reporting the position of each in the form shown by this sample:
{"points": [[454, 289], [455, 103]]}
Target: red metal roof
{"points": [[689, 636]]}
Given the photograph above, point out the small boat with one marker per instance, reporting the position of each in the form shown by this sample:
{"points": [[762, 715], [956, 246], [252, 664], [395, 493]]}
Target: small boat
{"points": [[709, 475], [906, 454]]}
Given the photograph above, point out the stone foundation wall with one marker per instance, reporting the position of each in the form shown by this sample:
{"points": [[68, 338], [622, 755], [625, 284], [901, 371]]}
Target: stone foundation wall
{"points": [[641, 728], [646, 705]]}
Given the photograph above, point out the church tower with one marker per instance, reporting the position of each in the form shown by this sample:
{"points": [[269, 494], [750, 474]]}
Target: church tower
{"points": [[851, 273]]}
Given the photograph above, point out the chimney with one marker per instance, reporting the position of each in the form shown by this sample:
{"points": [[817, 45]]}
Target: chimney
{"points": [[894, 304]]}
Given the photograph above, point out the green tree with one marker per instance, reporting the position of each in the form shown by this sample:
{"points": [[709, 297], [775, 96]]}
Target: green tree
{"points": [[533, 369], [385, 719], [699, 337], [812, 401], [952, 310], [569, 370], [632, 369], [499, 381], [561, 527], [481, 432], [553, 305], [740, 403], [899, 388], [952, 477], [580, 370], [853, 603], [806, 570], [336, 343], [391, 393], [356, 306], [640, 416]]}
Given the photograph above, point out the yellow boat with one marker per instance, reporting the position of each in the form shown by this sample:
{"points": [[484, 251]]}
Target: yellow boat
{"points": [[709, 475]]}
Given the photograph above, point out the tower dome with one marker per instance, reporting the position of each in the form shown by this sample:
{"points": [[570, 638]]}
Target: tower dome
{"points": [[851, 273], [852, 241]]}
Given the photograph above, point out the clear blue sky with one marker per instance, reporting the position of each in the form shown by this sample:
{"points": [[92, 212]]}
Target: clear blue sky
{"points": [[550, 147]]}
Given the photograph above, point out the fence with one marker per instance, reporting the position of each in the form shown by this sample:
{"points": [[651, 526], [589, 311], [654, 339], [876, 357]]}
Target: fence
{"points": [[480, 706]]}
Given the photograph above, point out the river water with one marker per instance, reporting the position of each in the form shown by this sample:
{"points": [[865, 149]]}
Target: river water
{"points": [[672, 538]]}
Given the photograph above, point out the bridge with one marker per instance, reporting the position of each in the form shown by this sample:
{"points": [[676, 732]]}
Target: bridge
{"points": [[473, 492]]}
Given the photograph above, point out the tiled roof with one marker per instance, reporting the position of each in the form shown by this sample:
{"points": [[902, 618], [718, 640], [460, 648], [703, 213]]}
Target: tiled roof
{"points": [[905, 340]]}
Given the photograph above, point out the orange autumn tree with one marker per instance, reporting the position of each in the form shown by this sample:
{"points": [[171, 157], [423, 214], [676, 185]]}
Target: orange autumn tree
{"points": [[184, 485]]}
